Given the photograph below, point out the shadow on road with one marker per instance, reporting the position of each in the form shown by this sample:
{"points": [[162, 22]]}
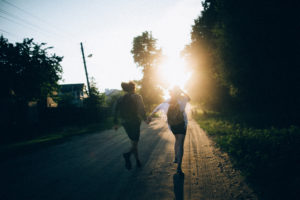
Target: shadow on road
{"points": [[178, 181]]}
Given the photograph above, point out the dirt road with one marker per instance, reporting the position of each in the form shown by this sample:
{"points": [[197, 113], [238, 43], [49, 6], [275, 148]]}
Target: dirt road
{"points": [[91, 167]]}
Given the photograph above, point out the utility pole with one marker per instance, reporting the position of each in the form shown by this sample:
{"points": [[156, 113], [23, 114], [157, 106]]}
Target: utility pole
{"points": [[86, 73]]}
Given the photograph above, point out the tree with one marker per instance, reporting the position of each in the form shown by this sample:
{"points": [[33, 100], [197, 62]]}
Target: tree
{"points": [[28, 71], [95, 100], [95, 104], [207, 85], [147, 56], [247, 48]]}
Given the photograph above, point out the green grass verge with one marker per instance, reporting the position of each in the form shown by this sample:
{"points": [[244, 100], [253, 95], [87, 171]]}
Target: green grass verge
{"points": [[268, 158]]}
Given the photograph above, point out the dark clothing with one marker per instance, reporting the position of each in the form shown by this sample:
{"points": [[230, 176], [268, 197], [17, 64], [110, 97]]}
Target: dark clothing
{"points": [[134, 106], [137, 112], [179, 129], [133, 129]]}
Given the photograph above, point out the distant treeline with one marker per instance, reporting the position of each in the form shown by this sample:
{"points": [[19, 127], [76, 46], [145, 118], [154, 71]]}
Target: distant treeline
{"points": [[244, 55]]}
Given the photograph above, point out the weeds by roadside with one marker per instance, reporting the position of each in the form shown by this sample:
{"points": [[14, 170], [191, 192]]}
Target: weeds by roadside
{"points": [[268, 157]]}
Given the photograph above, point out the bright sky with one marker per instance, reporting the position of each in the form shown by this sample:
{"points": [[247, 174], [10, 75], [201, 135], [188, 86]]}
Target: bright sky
{"points": [[106, 28]]}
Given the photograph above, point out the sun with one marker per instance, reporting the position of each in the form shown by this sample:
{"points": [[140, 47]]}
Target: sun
{"points": [[174, 73]]}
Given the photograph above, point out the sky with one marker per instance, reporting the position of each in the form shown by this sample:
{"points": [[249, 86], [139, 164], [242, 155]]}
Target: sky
{"points": [[105, 27]]}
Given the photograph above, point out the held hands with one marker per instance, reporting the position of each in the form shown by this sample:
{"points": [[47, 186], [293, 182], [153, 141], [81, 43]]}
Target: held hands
{"points": [[116, 127], [149, 119]]}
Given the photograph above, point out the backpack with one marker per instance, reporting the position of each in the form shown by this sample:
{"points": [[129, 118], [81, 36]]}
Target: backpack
{"points": [[128, 108], [174, 114]]}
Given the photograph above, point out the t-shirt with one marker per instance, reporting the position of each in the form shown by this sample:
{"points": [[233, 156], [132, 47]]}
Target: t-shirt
{"points": [[139, 106]]}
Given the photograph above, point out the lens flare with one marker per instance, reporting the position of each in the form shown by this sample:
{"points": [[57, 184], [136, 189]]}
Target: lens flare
{"points": [[174, 73]]}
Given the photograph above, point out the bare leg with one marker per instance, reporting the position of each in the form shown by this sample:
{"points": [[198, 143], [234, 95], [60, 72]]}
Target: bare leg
{"points": [[176, 148], [134, 149], [180, 140]]}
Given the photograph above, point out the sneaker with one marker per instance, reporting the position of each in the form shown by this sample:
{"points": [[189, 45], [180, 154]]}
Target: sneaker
{"points": [[138, 164], [127, 161]]}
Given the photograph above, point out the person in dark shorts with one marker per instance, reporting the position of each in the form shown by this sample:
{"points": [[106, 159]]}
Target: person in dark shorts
{"points": [[177, 120], [131, 111]]}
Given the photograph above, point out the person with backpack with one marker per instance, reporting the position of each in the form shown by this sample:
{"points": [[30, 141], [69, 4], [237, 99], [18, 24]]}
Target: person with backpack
{"points": [[131, 111], [177, 120]]}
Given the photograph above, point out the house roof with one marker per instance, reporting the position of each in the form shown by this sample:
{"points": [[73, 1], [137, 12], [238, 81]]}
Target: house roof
{"points": [[71, 87]]}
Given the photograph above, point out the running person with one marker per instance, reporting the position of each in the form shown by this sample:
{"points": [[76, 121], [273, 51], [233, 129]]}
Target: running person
{"points": [[131, 110], [177, 120]]}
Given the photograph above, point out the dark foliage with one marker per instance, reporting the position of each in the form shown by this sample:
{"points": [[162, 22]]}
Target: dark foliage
{"points": [[245, 54], [95, 105], [28, 72], [244, 57], [267, 157], [28, 76]]}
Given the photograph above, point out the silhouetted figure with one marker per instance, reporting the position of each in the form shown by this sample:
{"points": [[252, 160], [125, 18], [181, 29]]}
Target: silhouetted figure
{"points": [[131, 110], [177, 120], [178, 182]]}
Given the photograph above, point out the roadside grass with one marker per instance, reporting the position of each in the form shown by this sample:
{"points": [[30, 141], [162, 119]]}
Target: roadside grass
{"points": [[52, 137], [268, 157]]}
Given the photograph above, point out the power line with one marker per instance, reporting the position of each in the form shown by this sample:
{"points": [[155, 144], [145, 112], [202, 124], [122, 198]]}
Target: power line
{"points": [[4, 32], [18, 37], [28, 13], [9, 33], [33, 26], [34, 16], [24, 25], [15, 17]]}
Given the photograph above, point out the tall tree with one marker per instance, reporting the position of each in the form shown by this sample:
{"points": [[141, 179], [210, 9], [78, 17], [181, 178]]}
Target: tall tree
{"points": [[27, 70], [27, 73], [147, 56], [207, 85], [249, 46]]}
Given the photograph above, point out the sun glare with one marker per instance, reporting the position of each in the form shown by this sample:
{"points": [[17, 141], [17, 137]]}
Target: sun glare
{"points": [[174, 73]]}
